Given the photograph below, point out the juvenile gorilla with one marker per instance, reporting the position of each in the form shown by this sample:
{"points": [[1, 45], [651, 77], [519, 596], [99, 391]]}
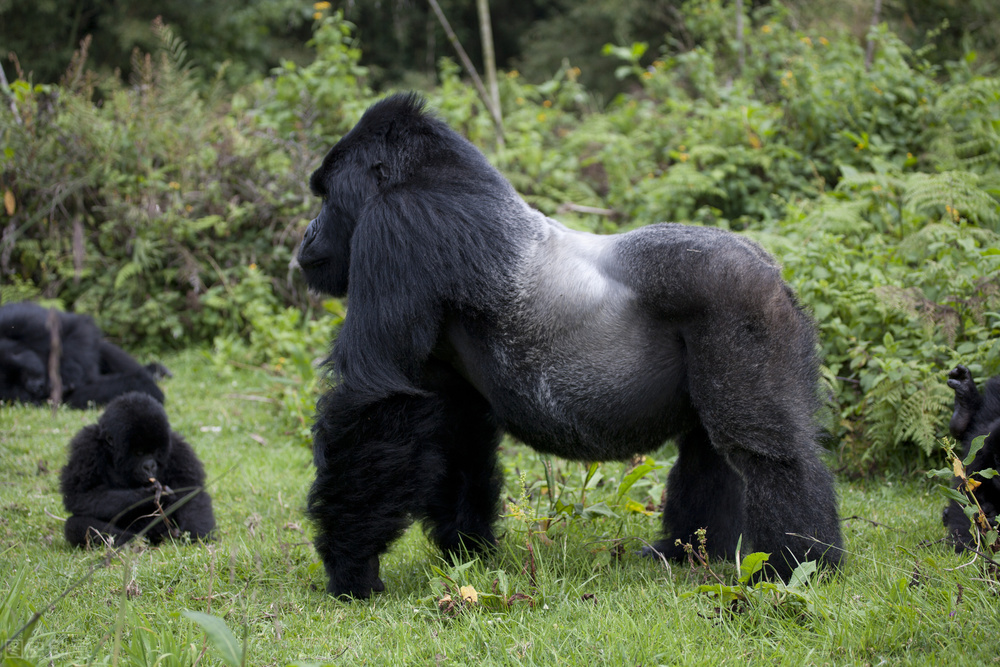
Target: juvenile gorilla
{"points": [[471, 314], [92, 370], [126, 467], [975, 415]]}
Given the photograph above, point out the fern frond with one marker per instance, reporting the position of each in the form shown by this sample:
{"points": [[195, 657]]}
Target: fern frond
{"points": [[840, 217], [952, 194], [173, 47], [685, 181], [969, 138], [920, 415], [126, 273]]}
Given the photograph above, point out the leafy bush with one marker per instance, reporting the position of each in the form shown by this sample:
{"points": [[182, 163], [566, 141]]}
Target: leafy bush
{"points": [[173, 214]]}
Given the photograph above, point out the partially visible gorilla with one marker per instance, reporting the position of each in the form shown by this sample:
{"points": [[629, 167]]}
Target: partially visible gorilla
{"points": [[126, 468], [471, 314], [975, 415], [93, 371]]}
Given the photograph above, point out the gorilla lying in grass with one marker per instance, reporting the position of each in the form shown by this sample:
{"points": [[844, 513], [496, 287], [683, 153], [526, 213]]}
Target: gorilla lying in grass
{"points": [[93, 371], [126, 471], [471, 314], [975, 415]]}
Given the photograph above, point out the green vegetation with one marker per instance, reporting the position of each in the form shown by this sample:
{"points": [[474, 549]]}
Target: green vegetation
{"points": [[580, 595], [169, 207], [172, 212]]}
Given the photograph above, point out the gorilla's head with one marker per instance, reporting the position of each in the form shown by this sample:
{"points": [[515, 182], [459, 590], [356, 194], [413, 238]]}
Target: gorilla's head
{"points": [[136, 432]]}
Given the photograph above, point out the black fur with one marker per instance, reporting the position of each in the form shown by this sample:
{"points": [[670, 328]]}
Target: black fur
{"points": [[93, 371], [116, 468], [975, 415], [471, 314]]}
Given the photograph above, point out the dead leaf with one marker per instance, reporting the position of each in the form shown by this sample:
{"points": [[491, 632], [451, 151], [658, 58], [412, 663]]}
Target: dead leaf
{"points": [[469, 594]]}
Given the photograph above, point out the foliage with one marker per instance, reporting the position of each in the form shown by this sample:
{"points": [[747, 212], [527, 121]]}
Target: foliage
{"points": [[172, 213], [751, 591], [984, 533], [17, 622], [316, 103], [151, 209]]}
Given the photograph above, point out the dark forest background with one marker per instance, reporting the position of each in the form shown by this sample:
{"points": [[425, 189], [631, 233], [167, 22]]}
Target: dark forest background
{"points": [[401, 40]]}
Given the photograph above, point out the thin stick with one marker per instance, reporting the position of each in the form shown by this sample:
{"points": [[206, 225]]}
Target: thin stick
{"points": [[10, 96], [490, 62], [55, 353], [469, 67], [870, 46]]}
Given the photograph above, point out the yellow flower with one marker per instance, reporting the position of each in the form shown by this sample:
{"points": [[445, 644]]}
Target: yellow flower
{"points": [[547, 104], [806, 40], [683, 157], [541, 118], [253, 267], [572, 73], [647, 75], [317, 16], [824, 41], [321, 6], [766, 28], [512, 74], [174, 185]]}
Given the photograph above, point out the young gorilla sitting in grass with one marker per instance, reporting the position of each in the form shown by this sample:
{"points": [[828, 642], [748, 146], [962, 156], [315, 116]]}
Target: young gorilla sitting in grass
{"points": [[127, 470]]}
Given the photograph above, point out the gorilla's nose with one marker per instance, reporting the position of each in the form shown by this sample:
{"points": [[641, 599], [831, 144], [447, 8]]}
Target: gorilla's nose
{"points": [[310, 232]]}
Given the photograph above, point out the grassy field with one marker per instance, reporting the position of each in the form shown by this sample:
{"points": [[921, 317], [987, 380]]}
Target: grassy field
{"points": [[580, 595]]}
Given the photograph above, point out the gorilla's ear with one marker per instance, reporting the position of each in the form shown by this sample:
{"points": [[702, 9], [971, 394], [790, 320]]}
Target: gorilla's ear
{"points": [[381, 172]]}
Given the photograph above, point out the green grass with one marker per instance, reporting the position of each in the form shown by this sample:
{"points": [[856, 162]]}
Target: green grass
{"points": [[898, 600]]}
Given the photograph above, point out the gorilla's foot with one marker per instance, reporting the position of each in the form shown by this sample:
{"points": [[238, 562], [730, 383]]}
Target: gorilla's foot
{"points": [[354, 580]]}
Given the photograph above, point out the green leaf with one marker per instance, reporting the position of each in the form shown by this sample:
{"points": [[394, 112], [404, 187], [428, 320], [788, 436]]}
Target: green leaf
{"points": [[17, 662], [954, 494], [751, 564], [635, 475], [219, 636], [598, 509], [802, 573], [977, 444]]}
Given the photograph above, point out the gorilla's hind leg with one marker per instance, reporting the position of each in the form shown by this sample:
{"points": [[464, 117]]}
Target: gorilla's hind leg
{"points": [[81, 530], [463, 504], [753, 381], [703, 491]]}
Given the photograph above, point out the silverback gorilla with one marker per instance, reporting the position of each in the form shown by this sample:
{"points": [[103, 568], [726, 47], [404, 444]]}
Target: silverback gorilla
{"points": [[471, 314], [124, 469], [93, 371], [975, 415]]}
